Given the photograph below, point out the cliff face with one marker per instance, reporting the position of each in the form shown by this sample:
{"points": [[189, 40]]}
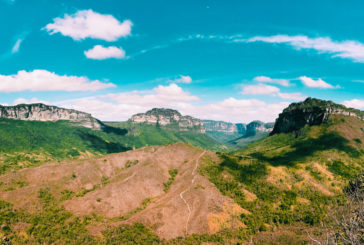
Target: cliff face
{"points": [[41, 112], [258, 127], [169, 117], [224, 127], [310, 112]]}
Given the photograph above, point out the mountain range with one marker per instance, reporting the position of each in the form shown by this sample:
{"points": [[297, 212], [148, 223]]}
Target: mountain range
{"points": [[161, 177]]}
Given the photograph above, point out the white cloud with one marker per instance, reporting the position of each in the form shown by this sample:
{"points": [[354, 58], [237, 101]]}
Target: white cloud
{"points": [[354, 103], [291, 96], [89, 24], [353, 50], [43, 80], [182, 79], [121, 106], [319, 83], [28, 101], [263, 89], [260, 89], [99, 52], [264, 79], [16, 46]]}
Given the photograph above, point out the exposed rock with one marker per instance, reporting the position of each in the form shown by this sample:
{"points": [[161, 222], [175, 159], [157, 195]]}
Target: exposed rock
{"points": [[310, 112], [224, 127], [169, 117], [42, 112], [257, 126]]}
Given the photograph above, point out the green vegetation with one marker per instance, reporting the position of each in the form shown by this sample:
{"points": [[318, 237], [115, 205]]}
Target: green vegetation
{"points": [[126, 234], [54, 225], [31, 143], [143, 134], [131, 163], [246, 140], [347, 172], [144, 205], [284, 196], [173, 173]]}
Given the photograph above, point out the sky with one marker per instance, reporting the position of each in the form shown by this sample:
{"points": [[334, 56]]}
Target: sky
{"points": [[234, 61]]}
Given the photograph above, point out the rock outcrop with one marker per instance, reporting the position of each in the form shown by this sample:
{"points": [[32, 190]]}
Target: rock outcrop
{"points": [[258, 127], [171, 118], [224, 127], [310, 112], [42, 112]]}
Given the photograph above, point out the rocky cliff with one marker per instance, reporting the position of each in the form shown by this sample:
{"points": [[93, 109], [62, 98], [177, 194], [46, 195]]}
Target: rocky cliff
{"points": [[42, 112], [169, 117], [258, 127], [310, 112], [224, 127]]}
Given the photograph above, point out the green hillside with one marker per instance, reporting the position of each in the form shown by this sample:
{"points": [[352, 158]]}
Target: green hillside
{"points": [[30, 143], [142, 134], [292, 179], [246, 140]]}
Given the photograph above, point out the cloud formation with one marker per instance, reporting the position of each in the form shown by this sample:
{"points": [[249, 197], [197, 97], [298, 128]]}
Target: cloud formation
{"points": [[264, 89], [99, 52], [264, 79], [354, 103], [89, 24], [43, 80], [182, 79], [16, 46], [319, 83], [353, 50], [121, 106]]}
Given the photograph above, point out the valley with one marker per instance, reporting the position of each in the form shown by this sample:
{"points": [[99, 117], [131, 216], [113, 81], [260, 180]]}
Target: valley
{"points": [[161, 178]]}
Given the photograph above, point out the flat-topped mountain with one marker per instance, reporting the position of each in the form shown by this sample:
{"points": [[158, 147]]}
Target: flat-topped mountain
{"points": [[311, 112], [237, 134], [42, 112], [225, 127], [169, 117]]}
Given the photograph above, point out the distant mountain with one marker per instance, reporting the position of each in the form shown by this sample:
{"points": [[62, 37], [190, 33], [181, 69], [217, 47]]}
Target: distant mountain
{"points": [[255, 131], [237, 134], [161, 126], [169, 118], [42, 112], [224, 127]]}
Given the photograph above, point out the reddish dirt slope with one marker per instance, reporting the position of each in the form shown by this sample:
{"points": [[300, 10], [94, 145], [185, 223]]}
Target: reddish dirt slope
{"points": [[116, 185]]}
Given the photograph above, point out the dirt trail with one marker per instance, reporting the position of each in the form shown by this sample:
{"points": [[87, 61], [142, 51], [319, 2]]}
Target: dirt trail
{"points": [[181, 194]]}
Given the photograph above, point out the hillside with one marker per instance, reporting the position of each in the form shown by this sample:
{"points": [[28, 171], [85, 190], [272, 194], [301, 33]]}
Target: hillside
{"points": [[282, 188], [157, 186], [294, 179], [30, 143], [40, 134]]}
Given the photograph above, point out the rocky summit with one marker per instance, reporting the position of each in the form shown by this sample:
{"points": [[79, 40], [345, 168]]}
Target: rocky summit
{"points": [[169, 117], [42, 112], [310, 112]]}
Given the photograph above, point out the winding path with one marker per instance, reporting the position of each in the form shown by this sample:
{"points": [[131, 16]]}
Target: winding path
{"points": [[181, 194]]}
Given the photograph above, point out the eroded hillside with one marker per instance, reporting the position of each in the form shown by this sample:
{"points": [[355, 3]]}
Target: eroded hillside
{"points": [[158, 186]]}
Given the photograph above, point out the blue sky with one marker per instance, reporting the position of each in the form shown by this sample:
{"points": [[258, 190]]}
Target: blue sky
{"points": [[237, 61]]}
